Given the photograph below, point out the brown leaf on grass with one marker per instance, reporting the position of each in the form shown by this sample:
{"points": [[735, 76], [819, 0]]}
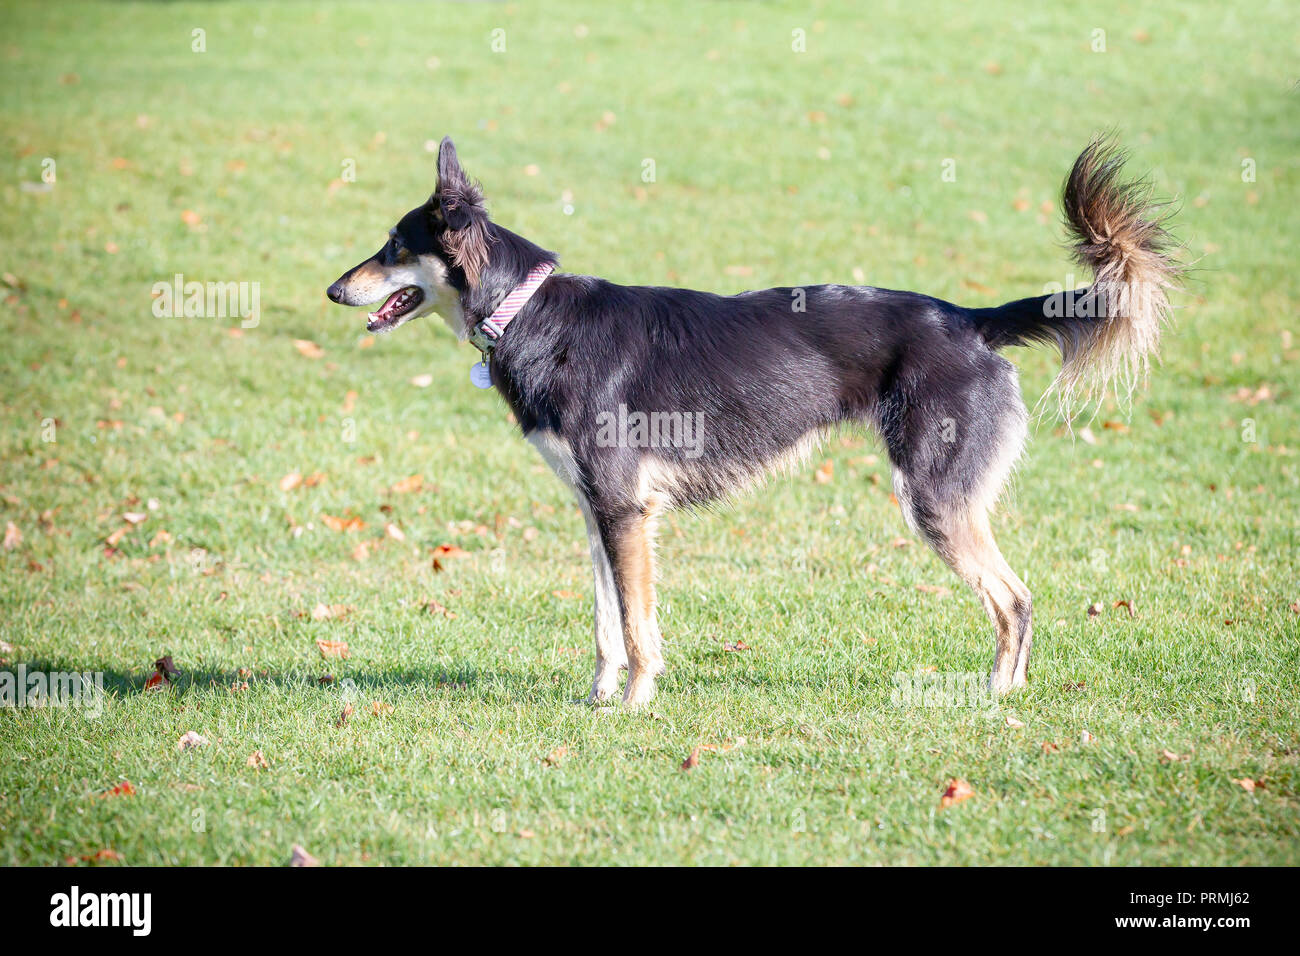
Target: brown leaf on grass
{"points": [[380, 709], [190, 740], [957, 791], [1050, 747], [350, 401], [328, 612], [825, 473], [123, 789], [553, 758], [308, 348], [342, 525], [433, 607], [1074, 685], [113, 539], [1094, 610], [257, 761], [979, 286], [900, 542], [290, 481], [938, 589], [103, 856], [1015, 724], [692, 760], [161, 536], [1247, 784], [1168, 756], [394, 532], [135, 517], [735, 646], [408, 485], [362, 551], [1086, 738], [1118, 427], [343, 717], [447, 551], [566, 595], [1126, 605], [163, 674], [422, 381], [191, 218], [333, 649], [300, 857]]}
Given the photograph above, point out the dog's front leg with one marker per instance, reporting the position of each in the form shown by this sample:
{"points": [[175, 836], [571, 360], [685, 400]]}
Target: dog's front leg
{"points": [[611, 657], [629, 542]]}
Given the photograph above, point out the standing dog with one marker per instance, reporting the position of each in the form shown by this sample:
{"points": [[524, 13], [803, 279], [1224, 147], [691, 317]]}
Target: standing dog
{"points": [[760, 375]]}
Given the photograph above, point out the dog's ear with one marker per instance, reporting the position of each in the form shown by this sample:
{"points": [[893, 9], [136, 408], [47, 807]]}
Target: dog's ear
{"points": [[461, 203]]}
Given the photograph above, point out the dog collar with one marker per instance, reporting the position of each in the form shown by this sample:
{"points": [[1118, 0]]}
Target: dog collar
{"points": [[485, 333]]}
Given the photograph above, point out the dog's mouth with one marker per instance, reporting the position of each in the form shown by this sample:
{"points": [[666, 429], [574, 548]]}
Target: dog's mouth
{"points": [[396, 308]]}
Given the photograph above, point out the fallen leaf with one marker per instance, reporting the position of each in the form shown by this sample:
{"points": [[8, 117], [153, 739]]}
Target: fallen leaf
{"points": [[343, 717], [1168, 756], [352, 523], [422, 381], [102, 856], [190, 740], [257, 761], [1015, 724], [308, 348], [13, 537], [692, 760], [394, 532], [934, 589], [1249, 785], [333, 649], [123, 789], [447, 551], [1049, 747], [1074, 685], [566, 595], [380, 709], [958, 790], [433, 607], [825, 474], [1086, 738], [736, 646], [329, 612], [300, 857], [290, 481], [407, 485], [1126, 606], [1094, 610], [553, 758]]}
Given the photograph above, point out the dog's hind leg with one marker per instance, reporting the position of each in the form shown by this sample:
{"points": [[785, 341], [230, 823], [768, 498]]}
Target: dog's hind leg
{"points": [[951, 457]]}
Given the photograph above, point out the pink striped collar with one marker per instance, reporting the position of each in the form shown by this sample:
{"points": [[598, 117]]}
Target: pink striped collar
{"points": [[484, 335]]}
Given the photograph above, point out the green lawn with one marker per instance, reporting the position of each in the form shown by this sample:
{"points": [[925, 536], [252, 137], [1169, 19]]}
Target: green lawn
{"points": [[771, 166]]}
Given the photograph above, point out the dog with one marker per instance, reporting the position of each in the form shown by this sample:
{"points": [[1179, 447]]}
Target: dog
{"points": [[761, 375]]}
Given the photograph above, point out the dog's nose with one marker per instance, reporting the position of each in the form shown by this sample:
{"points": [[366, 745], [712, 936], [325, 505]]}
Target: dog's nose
{"points": [[335, 292]]}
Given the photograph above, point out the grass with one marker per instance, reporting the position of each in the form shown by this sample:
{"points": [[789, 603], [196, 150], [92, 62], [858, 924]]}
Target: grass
{"points": [[771, 167]]}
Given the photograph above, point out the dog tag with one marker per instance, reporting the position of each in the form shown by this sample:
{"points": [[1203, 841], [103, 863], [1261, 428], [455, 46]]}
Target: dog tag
{"points": [[480, 376]]}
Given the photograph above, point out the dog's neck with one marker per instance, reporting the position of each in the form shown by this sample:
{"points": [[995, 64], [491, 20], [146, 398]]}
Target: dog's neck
{"points": [[485, 333], [511, 260]]}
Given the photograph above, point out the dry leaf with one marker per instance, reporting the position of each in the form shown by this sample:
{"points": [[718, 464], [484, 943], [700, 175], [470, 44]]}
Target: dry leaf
{"points": [[1249, 785], [422, 381], [1049, 747], [1086, 738], [825, 473], [1013, 723], [1168, 756], [1094, 610], [692, 760], [123, 789], [300, 857], [407, 485], [394, 532], [446, 551], [566, 595], [934, 589], [333, 649], [329, 612], [380, 709], [433, 607], [257, 761], [736, 646], [308, 348], [352, 523], [135, 517], [958, 790], [1126, 605], [343, 717], [190, 740], [290, 481], [553, 758], [13, 537]]}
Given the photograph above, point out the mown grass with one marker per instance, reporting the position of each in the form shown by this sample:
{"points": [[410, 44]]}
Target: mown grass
{"points": [[771, 167]]}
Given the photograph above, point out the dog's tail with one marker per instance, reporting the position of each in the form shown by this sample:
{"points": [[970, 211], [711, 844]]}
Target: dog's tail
{"points": [[1109, 332]]}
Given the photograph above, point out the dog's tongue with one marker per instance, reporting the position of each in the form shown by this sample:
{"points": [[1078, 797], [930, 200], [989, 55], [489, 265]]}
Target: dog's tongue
{"points": [[389, 304]]}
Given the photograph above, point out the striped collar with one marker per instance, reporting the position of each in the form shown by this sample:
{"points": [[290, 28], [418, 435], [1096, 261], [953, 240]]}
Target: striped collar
{"points": [[484, 335]]}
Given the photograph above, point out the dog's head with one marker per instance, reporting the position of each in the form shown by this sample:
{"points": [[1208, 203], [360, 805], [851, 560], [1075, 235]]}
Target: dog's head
{"points": [[434, 254]]}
